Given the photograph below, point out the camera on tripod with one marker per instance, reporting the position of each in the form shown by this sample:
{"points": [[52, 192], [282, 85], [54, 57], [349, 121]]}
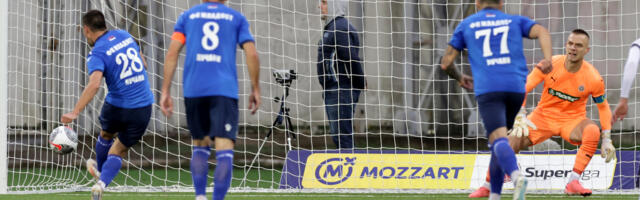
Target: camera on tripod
{"points": [[284, 77]]}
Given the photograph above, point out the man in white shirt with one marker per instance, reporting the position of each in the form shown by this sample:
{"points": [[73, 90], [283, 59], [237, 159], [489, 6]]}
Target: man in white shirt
{"points": [[630, 69]]}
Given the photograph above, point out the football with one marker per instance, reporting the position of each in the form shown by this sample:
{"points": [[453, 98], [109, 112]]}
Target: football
{"points": [[63, 140]]}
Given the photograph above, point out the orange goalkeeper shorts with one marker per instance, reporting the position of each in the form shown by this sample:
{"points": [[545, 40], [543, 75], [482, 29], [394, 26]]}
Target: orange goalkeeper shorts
{"points": [[551, 127]]}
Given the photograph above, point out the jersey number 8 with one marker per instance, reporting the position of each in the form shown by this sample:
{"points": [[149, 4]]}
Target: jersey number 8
{"points": [[123, 60], [210, 40]]}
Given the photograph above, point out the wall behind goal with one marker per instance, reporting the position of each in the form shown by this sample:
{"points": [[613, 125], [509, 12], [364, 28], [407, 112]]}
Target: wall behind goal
{"points": [[401, 44]]}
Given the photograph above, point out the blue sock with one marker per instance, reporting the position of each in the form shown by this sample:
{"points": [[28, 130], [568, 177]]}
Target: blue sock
{"points": [[111, 168], [497, 176], [505, 155], [200, 168], [102, 150], [223, 173]]}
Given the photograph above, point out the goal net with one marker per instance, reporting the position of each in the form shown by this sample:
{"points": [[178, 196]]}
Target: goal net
{"points": [[411, 117]]}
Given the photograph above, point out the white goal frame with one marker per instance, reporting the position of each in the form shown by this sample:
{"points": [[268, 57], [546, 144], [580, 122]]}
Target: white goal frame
{"points": [[4, 36]]}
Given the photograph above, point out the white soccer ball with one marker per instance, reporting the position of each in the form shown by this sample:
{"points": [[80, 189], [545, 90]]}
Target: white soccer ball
{"points": [[63, 140]]}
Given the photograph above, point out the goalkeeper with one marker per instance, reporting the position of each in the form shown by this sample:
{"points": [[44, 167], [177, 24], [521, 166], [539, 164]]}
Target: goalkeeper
{"points": [[562, 111]]}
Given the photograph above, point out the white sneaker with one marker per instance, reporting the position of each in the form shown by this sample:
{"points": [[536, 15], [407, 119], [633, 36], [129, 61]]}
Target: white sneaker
{"points": [[92, 167], [201, 197], [520, 188], [96, 191]]}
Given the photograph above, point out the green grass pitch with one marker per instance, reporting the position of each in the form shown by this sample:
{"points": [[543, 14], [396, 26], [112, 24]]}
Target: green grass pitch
{"points": [[267, 179]]}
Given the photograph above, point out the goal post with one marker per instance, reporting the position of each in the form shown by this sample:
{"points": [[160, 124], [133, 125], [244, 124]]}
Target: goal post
{"points": [[4, 19]]}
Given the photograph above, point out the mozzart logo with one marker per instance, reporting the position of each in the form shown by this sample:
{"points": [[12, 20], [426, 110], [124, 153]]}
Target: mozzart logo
{"points": [[412, 172], [337, 170], [386, 171], [334, 170]]}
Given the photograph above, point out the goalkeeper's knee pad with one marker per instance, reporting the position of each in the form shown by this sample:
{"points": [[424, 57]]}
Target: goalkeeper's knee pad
{"points": [[591, 135]]}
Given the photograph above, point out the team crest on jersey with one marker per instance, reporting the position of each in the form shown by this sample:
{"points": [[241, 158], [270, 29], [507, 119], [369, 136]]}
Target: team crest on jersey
{"points": [[581, 88], [111, 38], [562, 95]]}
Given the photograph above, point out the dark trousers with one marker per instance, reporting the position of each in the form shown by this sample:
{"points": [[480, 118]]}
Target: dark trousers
{"points": [[340, 104]]}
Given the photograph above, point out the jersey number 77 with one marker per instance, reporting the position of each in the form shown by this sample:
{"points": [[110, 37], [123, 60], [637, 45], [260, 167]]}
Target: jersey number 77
{"points": [[486, 33]]}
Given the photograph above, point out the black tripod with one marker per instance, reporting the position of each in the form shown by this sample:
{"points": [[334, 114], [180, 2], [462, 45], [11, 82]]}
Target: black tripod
{"points": [[283, 117]]}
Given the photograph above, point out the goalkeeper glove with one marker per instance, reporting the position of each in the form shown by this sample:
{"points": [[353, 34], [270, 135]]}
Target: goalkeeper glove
{"points": [[607, 150], [521, 124]]}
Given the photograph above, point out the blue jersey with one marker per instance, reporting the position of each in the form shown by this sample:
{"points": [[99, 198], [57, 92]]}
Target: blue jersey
{"points": [[494, 42], [212, 31], [117, 55]]}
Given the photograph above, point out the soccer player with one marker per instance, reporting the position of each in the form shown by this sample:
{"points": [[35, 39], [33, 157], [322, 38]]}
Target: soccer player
{"points": [[211, 32], [630, 70], [562, 111], [127, 108], [494, 42]]}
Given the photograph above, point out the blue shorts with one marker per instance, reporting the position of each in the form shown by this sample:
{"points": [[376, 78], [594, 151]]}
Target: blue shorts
{"points": [[213, 116], [130, 124], [499, 109]]}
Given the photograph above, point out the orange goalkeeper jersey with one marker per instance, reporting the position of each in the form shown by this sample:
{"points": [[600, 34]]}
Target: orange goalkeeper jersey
{"points": [[565, 94]]}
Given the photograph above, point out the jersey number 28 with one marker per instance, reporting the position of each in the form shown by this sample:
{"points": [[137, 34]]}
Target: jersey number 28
{"points": [[122, 59], [486, 33]]}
